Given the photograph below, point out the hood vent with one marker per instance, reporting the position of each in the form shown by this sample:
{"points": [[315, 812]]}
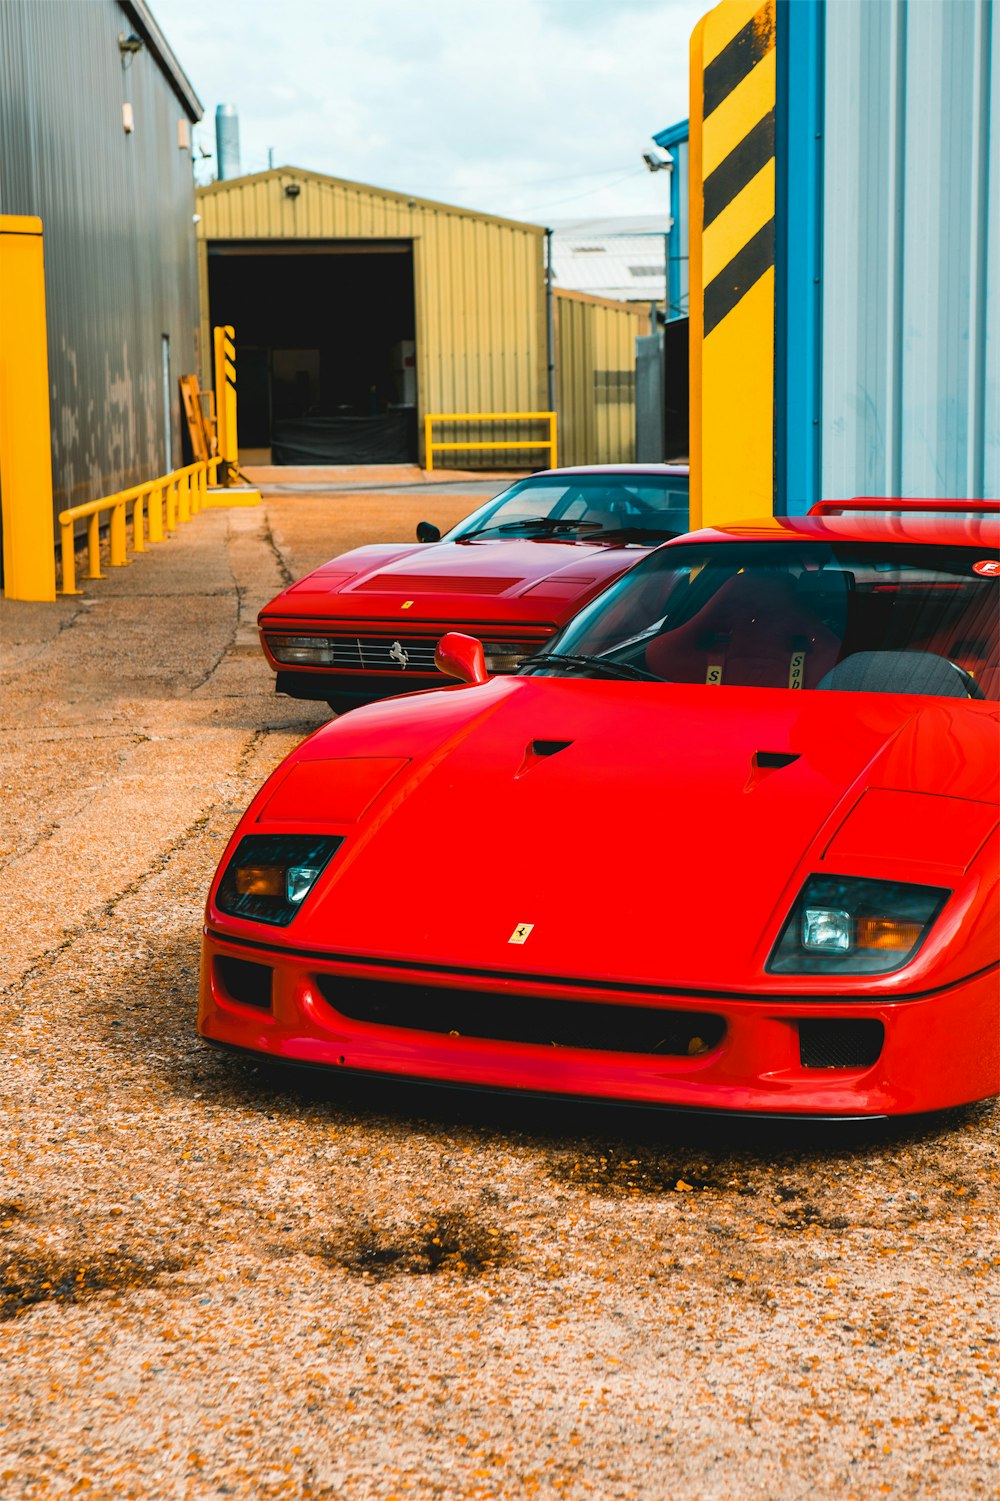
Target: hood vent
{"points": [[763, 762], [426, 583], [540, 750]]}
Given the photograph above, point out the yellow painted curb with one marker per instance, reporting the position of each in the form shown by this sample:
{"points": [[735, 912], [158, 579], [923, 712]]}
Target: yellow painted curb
{"points": [[232, 498]]}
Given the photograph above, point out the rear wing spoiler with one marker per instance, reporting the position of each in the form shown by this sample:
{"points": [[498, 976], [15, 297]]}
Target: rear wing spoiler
{"points": [[882, 503]]}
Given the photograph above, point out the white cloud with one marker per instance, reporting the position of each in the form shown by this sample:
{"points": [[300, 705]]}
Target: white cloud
{"points": [[529, 108]]}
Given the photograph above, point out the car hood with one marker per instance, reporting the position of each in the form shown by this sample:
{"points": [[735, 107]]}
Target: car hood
{"points": [[657, 845], [532, 581]]}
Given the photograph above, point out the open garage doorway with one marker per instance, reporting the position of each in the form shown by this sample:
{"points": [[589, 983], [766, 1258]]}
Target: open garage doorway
{"points": [[325, 348]]}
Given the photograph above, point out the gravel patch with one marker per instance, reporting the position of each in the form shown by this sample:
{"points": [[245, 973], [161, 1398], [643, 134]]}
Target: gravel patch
{"points": [[219, 1279]]}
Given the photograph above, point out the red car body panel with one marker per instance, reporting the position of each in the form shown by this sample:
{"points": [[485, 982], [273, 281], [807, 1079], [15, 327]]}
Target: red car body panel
{"points": [[524, 581], [655, 858], [518, 588]]}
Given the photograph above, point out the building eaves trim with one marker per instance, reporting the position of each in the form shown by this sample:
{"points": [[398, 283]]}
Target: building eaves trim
{"points": [[145, 23], [673, 135], [227, 184]]}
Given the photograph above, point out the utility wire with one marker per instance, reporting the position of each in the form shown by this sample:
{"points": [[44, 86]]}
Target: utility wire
{"points": [[555, 202]]}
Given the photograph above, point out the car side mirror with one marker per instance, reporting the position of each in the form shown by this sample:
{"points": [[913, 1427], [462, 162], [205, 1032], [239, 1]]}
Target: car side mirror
{"points": [[462, 657], [428, 532]]}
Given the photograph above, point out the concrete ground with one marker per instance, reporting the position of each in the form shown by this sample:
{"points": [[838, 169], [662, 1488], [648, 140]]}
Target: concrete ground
{"points": [[218, 1281]]}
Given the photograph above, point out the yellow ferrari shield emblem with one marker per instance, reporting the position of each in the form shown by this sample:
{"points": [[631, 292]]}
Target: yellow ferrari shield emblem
{"points": [[520, 933]]}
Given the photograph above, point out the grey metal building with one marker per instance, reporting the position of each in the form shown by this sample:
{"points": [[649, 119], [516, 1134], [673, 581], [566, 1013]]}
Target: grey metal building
{"points": [[95, 139]]}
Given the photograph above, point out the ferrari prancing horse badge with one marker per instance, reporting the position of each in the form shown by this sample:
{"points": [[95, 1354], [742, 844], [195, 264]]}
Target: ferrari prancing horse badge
{"points": [[521, 932]]}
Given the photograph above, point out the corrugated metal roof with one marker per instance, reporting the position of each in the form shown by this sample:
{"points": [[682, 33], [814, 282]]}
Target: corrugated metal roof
{"points": [[623, 259]]}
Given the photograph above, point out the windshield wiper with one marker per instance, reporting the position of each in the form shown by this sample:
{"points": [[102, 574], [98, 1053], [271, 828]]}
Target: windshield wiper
{"points": [[613, 669], [635, 533], [532, 523]]}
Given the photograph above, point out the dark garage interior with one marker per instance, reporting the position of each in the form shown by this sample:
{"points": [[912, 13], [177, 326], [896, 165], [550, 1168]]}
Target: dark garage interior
{"points": [[326, 370]]}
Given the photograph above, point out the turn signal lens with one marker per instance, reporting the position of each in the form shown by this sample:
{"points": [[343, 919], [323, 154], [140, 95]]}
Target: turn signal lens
{"points": [[260, 880], [508, 656], [850, 925], [884, 933], [270, 875], [301, 651]]}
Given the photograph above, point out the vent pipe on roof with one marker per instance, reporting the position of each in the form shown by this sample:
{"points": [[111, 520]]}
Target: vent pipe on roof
{"points": [[227, 141]]}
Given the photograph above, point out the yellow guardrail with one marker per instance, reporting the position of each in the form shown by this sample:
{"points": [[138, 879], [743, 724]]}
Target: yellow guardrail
{"points": [[158, 507], [430, 446]]}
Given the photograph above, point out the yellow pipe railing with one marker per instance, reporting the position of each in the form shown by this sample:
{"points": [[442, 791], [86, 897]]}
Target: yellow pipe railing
{"points": [[158, 507], [430, 446]]}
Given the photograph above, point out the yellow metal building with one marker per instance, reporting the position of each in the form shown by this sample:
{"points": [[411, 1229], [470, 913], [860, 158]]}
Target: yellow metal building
{"points": [[358, 311], [335, 288], [595, 370]]}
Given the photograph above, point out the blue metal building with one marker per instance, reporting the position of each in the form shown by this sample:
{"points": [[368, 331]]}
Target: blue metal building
{"points": [[887, 254], [674, 140]]}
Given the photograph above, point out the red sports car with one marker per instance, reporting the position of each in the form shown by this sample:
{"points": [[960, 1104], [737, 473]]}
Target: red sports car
{"points": [[366, 625], [729, 842]]}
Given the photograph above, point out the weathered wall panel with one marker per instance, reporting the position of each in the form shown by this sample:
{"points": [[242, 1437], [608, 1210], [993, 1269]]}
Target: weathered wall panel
{"points": [[595, 370], [480, 286], [117, 215], [911, 249]]}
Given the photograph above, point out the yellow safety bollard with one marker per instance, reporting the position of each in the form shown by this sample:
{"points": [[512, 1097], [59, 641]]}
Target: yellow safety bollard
{"points": [[138, 527], [184, 496], [116, 536], [67, 551], [170, 499], [155, 510], [94, 546]]}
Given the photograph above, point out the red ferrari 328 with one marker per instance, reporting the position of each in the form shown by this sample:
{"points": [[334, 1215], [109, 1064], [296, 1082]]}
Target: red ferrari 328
{"points": [[729, 842], [366, 625]]}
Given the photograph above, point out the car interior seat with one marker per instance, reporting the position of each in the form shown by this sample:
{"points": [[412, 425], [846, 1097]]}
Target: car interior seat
{"points": [[900, 672], [756, 630]]}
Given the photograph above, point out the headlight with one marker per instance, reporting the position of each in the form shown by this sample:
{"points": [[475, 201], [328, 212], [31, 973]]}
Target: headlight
{"points": [[270, 875], [508, 656], [302, 651], [852, 926]]}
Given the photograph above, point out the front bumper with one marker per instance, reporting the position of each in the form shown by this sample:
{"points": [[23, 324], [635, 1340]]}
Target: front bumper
{"points": [[344, 691], [934, 1052]]}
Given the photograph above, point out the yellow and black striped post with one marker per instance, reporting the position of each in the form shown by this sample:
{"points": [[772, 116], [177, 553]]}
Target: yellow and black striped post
{"points": [[732, 262], [225, 402]]}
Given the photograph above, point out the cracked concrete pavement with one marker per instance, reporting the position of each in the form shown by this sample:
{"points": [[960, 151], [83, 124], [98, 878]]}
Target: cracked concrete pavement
{"points": [[219, 1281]]}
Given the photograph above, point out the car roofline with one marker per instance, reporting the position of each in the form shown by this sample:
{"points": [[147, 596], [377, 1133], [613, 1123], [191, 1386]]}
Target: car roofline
{"points": [[853, 527], [678, 469]]}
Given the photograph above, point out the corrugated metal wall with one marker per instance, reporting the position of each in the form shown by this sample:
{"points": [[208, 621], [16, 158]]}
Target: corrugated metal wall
{"points": [[910, 321], [595, 371], [120, 268], [479, 286]]}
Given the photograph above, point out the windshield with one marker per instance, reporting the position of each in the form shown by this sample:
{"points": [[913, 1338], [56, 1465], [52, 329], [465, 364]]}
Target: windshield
{"points": [[874, 617], [577, 506]]}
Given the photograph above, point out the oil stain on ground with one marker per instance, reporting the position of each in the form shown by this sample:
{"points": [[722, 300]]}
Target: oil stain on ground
{"points": [[27, 1280], [618, 1170], [445, 1243]]}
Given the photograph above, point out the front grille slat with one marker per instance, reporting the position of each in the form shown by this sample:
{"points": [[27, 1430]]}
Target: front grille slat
{"points": [[524, 1018]]}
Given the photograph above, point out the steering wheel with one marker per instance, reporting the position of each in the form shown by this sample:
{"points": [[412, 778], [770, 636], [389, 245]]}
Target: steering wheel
{"points": [[973, 688]]}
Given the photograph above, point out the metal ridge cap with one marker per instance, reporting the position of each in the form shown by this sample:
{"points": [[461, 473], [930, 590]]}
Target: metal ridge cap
{"points": [[165, 56]]}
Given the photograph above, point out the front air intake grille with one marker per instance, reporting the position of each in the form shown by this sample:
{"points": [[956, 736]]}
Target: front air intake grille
{"points": [[834, 1042], [246, 983], [524, 1018], [381, 653]]}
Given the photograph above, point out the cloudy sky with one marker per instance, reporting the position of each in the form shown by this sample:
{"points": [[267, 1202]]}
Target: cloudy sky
{"points": [[537, 109]]}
